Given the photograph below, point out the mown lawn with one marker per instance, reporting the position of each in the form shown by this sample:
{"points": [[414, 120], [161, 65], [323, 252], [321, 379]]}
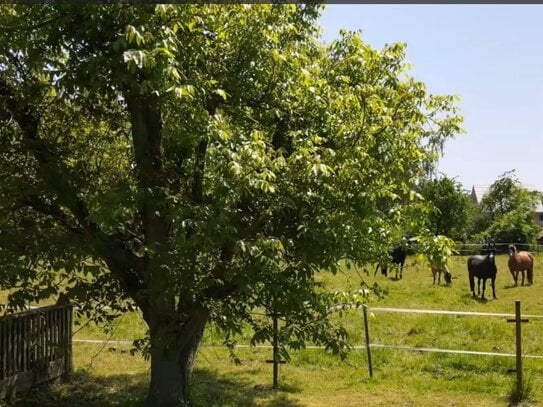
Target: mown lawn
{"points": [[107, 375]]}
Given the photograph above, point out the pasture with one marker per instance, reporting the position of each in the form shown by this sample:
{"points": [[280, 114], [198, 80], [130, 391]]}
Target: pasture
{"points": [[108, 375]]}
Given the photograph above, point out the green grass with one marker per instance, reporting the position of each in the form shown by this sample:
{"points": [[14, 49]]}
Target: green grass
{"points": [[109, 376]]}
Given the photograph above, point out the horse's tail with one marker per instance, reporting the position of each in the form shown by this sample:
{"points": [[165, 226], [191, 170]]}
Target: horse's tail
{"points": [[471, 279], [530, 273]]}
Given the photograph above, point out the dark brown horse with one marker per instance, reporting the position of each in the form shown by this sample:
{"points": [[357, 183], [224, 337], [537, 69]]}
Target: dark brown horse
{"points": [[483, 267], [397, 256], [521, 261]]}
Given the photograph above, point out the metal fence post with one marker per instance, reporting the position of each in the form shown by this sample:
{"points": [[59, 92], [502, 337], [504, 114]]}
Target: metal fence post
{"points": [[367, 331]]}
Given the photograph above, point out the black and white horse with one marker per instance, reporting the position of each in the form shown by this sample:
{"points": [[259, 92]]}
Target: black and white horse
{"points": [[483, 267], [397, 256]]}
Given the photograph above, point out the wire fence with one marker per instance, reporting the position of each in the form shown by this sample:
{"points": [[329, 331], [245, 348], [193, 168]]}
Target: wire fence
{"points": [[465, 249], [517, 318]]}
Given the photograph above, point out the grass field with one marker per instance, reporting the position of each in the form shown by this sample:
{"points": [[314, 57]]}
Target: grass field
{"points": [[107, 375]]}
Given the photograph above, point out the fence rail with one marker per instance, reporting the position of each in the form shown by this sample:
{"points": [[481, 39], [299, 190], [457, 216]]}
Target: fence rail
{"points": [[453, 351], [447, 312], [35, 346]]}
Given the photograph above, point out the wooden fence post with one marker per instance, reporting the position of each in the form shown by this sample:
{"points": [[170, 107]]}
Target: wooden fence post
{"points": [[275, 351], [519, 346], [275, 346], [518, 336], [367, 331]]}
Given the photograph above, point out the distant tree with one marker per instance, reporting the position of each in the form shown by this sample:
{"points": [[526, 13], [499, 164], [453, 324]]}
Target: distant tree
{"points": [[506, 211], [505, 195], [450, 207], [516, 226]]}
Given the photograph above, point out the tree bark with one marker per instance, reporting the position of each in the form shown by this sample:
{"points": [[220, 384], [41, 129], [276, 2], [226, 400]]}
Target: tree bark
{"points": [[172, 359]]}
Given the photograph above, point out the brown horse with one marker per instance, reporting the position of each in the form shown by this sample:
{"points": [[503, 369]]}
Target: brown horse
{"points": [[521, 261], [436, 272]]}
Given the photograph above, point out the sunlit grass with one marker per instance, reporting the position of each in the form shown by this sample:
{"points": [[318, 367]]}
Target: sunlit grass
{"points": [[108, 375]]}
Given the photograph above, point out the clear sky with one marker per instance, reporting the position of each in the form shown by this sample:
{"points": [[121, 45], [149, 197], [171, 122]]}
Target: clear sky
{"points": [[489, 55]]}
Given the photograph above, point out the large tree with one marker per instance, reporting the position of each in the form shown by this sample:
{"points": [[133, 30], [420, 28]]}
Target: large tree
{"points": [[200, 162]]}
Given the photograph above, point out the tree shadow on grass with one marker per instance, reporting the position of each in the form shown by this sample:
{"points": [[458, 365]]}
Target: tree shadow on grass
{"points": [[209, 389], [84, 389], [213, 390]]}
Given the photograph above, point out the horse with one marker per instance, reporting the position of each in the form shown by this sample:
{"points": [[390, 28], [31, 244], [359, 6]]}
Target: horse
{"points": [[483, 267], [397, 255], [437, 270], [521, 261]]}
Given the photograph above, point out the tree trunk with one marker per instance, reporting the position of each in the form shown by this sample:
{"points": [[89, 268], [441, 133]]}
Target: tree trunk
{"points": [[172, 358]]}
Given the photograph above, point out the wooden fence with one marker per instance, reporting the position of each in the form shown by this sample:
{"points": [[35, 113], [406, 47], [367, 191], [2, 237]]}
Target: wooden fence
{"points": [[35, 346]]}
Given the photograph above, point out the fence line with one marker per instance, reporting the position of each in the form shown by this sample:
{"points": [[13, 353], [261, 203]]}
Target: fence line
{"points": [[454, 351], [355, 347], [501, 246], [447, 312]]}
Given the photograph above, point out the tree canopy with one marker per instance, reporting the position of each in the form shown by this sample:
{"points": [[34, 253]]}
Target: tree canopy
{"points": [[201, 162], [506, 212], [451, 213]]}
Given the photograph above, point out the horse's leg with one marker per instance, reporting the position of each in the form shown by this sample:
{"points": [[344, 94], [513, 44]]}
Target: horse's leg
{"points": [[484, 288], [515, 277], [523, 275], [376, 268], [493, 280], [479, 286]]}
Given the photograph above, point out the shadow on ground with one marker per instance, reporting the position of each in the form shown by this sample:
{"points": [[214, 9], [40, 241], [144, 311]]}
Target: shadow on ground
{"points": [[214, 390], [85, 389]]}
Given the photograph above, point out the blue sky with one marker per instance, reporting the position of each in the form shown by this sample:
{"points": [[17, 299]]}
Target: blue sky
{"points": [[489, 55]]}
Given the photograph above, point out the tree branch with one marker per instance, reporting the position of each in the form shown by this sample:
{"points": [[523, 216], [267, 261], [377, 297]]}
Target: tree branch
{"points": [[123, 263], [53, 210]]}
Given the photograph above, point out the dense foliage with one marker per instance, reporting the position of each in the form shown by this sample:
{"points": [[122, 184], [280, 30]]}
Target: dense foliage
{"points": [[451, 207], [202, 162], [506, 212]]}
